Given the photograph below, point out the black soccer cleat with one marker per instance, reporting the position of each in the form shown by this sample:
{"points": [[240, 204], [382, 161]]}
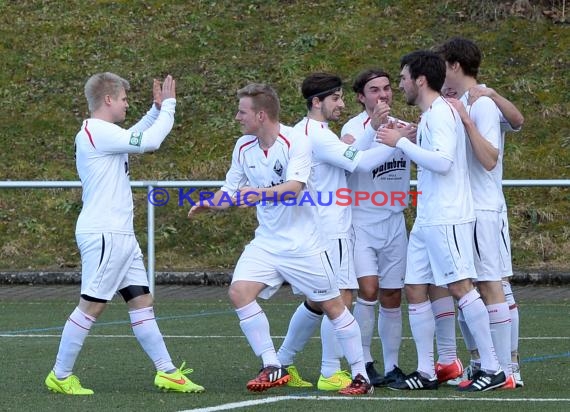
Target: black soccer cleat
{"points": [[393, 376], [483, 381], [414, 381]]}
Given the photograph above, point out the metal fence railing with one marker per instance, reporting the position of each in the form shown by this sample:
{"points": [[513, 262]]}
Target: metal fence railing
{"points": [[151, 186]]}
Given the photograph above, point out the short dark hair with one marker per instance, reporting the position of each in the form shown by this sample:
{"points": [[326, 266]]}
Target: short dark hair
{"points": [[425, 63], [101, 84], [263, 97], [365, 76], [463, 51], [320, 85]]}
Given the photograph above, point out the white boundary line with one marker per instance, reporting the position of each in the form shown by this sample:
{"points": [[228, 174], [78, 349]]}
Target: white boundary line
{"points": [[244, 404], [57, 335]]}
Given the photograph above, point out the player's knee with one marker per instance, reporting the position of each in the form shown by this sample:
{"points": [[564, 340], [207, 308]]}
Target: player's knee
{"points": [[390, 298], [368, 288], [133, 291], [92, 306]]}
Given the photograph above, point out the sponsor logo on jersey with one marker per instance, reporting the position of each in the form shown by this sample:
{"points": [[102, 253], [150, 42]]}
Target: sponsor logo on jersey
{"points": [[350, 153], [389, 166], [136, 139]]}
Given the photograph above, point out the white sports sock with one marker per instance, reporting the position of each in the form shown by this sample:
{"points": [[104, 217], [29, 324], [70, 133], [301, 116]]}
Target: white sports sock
{"points": [[347, 332], [364, 313], [73, 335], [148, 334], [255, 327], [470, 343], [477, 320], [514, 308], [390, 331], [500, 321], [302, 326], [444, 313], [422, 324], [332, 351]]}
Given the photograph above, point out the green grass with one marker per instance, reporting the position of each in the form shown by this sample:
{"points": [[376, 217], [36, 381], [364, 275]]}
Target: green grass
{"points": [[50, 48], [205, 333]]}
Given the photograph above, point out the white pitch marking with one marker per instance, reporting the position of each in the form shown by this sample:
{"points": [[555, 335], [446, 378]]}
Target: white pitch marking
{"points": [[33, 335], [244, 404]]}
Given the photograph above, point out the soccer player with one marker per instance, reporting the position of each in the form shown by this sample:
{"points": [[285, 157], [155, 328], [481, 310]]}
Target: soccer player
{"points": [[439, 249], [380, 237], [111, 258], [332, 159], [270, 168], [512, 120], [482, 120]]}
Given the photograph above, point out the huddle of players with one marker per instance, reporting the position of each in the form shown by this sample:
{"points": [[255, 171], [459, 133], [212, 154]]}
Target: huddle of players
{"points": [[459, 237]]}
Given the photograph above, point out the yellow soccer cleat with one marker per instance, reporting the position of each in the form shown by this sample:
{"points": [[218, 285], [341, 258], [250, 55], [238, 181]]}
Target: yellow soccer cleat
{"points": [[177, 381], [67, 386], [339, 380], [296, 381]]}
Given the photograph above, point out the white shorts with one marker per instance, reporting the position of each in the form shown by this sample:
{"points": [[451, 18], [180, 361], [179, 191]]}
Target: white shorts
{"points": [[487, 253], [341, 254], [110, 262], [440, 254], [312, 276], [506, 257], [381, 250]]}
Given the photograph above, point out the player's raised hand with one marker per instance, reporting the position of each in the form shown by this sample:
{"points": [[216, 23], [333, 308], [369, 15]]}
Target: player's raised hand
{"points": [[380, 114], [477, 91], [168, 88]]}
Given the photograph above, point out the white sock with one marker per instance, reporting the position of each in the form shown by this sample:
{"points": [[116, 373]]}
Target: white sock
{"points": [[500, 321], [444, 313], [302, 326], [467, 337], [332, 351], [73, 335], [477, 320], [514, 309], [347, 332], [364, 312], [255, 327], [148, 334], [390, 331], [422, 324]]}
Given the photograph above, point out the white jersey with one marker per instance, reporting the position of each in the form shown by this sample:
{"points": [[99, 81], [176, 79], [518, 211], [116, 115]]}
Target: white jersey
{"points": [[391, 178], [505, 127], [101, 157], [443, 199], [486, 185], [331, 158], [288, 229]]}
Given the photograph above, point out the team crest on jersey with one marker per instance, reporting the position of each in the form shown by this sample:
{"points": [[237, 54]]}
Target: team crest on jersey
{"points": [[350, 153], [136, 139], [278, 168]]}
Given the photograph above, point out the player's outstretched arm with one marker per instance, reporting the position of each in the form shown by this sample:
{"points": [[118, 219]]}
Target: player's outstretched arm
{"points": [[250, 196], [220, 201], [509, 110], [485, 152]]}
